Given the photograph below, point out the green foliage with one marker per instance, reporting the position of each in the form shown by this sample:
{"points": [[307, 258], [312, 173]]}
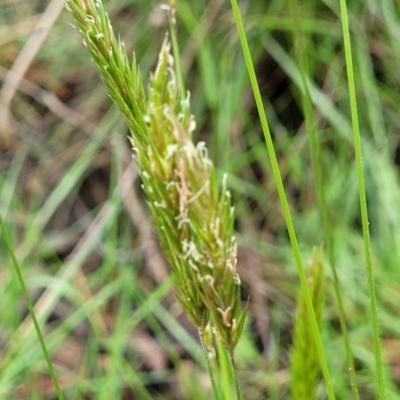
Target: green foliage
{"points": [[283, 200], [363, 199], [4, 235], [305, 369], [79, 226]]}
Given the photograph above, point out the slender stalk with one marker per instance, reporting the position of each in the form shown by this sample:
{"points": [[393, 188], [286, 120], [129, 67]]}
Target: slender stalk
{"points": [[301, 55], [233, 365], [209, 367], [31, 310], [282, 197], [363, 200]]}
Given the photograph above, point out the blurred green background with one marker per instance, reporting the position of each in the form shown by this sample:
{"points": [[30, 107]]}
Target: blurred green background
{"points": [[79, 223]]}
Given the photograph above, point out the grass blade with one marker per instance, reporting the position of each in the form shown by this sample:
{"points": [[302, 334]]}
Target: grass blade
{"points": [[31, 310], [282, 197], [301, 55], [303, 356], [363, 200]]}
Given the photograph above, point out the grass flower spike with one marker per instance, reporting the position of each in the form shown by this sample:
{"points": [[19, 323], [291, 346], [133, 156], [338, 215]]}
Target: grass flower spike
{"points": [[193, 218]]}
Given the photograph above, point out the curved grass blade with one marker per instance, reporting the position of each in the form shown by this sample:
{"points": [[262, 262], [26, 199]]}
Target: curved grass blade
{"points": [[363, 199], [283, 200], [31, 310]]}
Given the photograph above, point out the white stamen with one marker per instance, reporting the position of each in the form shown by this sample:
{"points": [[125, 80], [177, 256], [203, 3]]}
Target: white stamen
{"points": [[192, 126], [189, 149], [224, 180], [220, 243], [171, 150], [88, 35], [160, 204], [236, 278], [190, 251], [171, 184], [185, 103], [225, 316], [134, 148], [209, 279], [199, 193], [183, 221], [234, 324], [192, 265], [171, 86]]}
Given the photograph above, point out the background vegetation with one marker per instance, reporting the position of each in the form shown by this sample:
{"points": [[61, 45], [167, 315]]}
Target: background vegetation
{"points": [[81, 230]]}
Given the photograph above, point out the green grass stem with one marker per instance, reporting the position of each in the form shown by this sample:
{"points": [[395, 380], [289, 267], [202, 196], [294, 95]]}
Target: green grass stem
{"points": [[282, 197], [363, 200], [301, 55], [31, 310], [304, 363], [235, 376], [209, 367]]}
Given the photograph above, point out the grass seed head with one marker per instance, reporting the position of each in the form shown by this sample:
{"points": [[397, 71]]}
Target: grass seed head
{"points": [[193, 218]]}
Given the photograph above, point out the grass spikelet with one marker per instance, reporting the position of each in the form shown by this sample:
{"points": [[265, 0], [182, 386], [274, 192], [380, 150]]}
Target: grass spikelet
{"points": [[193, 218], [305, 368], [122, 78]]}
